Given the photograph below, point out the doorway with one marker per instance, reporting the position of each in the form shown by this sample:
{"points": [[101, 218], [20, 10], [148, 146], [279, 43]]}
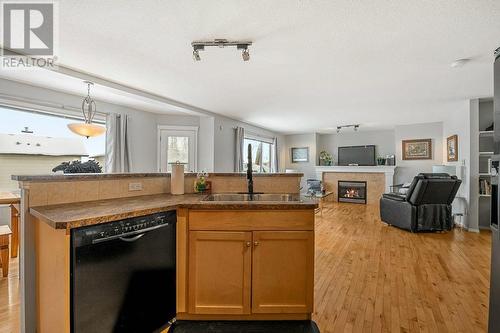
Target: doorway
{"points": [[177, 144]]}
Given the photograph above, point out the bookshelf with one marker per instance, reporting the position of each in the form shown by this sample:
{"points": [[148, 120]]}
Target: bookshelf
{"points": [[485, 150]]}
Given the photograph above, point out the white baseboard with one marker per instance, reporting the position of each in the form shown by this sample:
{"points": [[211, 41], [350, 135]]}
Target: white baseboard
{"points": [[473, 230]]}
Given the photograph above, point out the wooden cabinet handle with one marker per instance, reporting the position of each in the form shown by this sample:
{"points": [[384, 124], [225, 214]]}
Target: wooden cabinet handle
{"points": [[256, 243]]}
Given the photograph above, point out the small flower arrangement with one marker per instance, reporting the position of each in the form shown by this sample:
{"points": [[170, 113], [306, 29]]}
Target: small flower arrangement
{"points": [[201, 184], [325, 158]]}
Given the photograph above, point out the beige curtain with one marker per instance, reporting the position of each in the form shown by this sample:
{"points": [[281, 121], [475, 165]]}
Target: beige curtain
{"points": [[238, 154], [275, 161], [118, 158]]}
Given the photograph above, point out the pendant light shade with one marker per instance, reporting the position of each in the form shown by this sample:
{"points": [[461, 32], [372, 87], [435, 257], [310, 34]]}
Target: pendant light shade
{"points": [[89, 110], [87, 130]]}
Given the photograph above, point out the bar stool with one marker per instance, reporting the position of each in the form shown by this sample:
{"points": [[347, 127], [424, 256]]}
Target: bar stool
{"points": [[4, 248]]}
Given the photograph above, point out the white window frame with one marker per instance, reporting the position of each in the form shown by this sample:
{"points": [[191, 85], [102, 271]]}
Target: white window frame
{"points": [[268, 140], [191, 129]]}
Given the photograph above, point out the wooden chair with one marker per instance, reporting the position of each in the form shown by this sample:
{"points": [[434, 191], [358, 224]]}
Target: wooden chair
{"points": [[4, 248]]}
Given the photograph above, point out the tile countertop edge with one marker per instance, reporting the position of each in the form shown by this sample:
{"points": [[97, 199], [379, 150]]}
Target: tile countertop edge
{"points": [[97, 176], [56, 215]]}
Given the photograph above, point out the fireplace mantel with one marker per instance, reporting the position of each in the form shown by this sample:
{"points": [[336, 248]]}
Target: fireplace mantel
{"points": [[387, 170]]}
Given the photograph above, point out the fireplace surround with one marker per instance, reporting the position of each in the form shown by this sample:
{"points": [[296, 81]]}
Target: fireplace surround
{"points": [[352, 191]]}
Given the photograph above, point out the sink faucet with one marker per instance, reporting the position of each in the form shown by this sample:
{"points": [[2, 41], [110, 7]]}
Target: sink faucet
{"points": [[249, 170]]}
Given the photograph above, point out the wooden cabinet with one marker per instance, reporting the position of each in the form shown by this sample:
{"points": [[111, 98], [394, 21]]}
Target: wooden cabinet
{"points": [[250, 272], [282, 271], [219, 272]]}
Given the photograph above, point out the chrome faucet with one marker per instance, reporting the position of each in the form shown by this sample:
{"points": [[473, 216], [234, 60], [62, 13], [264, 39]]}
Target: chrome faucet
{"points": [[249, 170]]}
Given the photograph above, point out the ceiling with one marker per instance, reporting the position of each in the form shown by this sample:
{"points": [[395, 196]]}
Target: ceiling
{"points": [[314, 64]]}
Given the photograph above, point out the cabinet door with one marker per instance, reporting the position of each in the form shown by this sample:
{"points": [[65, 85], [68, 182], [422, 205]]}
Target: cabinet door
{"points": [[282, 271], [219, 272]]}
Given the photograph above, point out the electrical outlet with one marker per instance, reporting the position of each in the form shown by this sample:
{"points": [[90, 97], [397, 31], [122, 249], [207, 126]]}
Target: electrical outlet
{"points": [[135, 186]]}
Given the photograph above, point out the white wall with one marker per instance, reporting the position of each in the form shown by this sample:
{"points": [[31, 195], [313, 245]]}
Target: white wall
{"points": [[383, 140], [458, 123], [216, 135], [308, 168], [206, 144], [225, 137], [407, 169]]}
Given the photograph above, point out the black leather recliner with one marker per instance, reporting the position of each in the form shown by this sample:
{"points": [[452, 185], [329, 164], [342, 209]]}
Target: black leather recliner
{"points": [[425, 207]]}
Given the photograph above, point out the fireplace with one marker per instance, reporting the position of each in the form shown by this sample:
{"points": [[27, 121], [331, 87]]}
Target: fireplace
{"points": [[352, 191]]}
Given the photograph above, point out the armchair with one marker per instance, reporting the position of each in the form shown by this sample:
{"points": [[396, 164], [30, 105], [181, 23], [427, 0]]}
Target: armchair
{"points": [[426, 206]]}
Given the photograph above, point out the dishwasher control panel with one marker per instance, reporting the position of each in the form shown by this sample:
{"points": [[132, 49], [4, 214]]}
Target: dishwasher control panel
{"points": [[122, 228]]}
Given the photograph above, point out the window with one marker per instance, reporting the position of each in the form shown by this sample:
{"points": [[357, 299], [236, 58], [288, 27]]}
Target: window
{"points": [[262, 152], [45, 144], [177, 144]]}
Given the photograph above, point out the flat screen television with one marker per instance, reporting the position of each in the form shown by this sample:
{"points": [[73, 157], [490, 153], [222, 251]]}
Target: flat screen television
{"points": [[360, 155]]}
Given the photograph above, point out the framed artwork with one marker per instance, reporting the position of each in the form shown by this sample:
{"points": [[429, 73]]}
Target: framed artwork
{"points": [[300, 154], [419, 149], [452, 148]]}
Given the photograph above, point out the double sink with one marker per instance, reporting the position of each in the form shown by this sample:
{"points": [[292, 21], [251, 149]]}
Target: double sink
{"points": [[260, 197]]}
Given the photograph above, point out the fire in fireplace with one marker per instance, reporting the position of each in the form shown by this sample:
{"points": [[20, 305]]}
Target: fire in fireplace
{"points": [[352, 191]]}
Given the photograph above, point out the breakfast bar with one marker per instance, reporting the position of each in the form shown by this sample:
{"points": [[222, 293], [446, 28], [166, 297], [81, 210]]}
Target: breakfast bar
{"points": [[236, 257]]}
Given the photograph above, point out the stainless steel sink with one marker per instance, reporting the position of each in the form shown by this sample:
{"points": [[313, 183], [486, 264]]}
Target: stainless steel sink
{"points": [[267, 197]]}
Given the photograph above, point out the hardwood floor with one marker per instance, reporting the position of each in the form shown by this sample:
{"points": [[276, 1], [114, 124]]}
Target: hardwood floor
{"points": [[9, 299], [374, 278]]}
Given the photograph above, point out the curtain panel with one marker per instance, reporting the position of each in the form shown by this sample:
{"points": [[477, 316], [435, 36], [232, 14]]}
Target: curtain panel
{"points": [[238, 154], [118, 157], [275, 161]]}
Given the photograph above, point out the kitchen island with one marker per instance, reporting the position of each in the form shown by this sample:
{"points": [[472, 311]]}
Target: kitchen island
{"points": [[236, 260]]}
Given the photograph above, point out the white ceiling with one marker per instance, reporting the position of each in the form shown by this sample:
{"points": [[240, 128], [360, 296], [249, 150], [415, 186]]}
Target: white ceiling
{"points": [[314, 64]]}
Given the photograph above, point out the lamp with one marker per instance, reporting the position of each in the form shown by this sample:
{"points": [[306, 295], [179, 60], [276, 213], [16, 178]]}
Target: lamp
{"points": [[89, 110]]}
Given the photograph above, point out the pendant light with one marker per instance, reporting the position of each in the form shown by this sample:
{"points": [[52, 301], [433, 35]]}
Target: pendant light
{"points": [[89, 110]]}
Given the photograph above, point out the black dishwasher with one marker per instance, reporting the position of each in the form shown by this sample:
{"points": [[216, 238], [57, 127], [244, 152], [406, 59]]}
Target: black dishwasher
{"points": [[123, 275]]}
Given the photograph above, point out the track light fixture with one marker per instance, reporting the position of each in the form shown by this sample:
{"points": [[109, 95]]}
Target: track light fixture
{"points": [[354, 126], [221, 43]]}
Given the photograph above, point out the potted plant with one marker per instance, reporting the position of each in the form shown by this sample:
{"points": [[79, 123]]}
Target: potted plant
{"points": [[325, 158], [380, 160]]}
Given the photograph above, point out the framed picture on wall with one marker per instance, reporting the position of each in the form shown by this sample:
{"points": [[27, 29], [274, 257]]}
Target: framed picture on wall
{"points": [[299, 154], [418, 149], [452, 148]]}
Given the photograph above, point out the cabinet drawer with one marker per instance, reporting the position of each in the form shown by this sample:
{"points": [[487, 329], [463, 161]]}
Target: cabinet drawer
{"points": [[245, 220]]}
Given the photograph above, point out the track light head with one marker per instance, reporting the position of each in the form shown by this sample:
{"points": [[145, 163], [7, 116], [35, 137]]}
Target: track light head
{"points": [[196, 55], [339, 128], [356, 128], [245, 54]]}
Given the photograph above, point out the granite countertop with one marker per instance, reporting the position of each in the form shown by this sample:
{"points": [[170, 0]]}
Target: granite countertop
{"points": [[74, 215], [99, 176]]}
